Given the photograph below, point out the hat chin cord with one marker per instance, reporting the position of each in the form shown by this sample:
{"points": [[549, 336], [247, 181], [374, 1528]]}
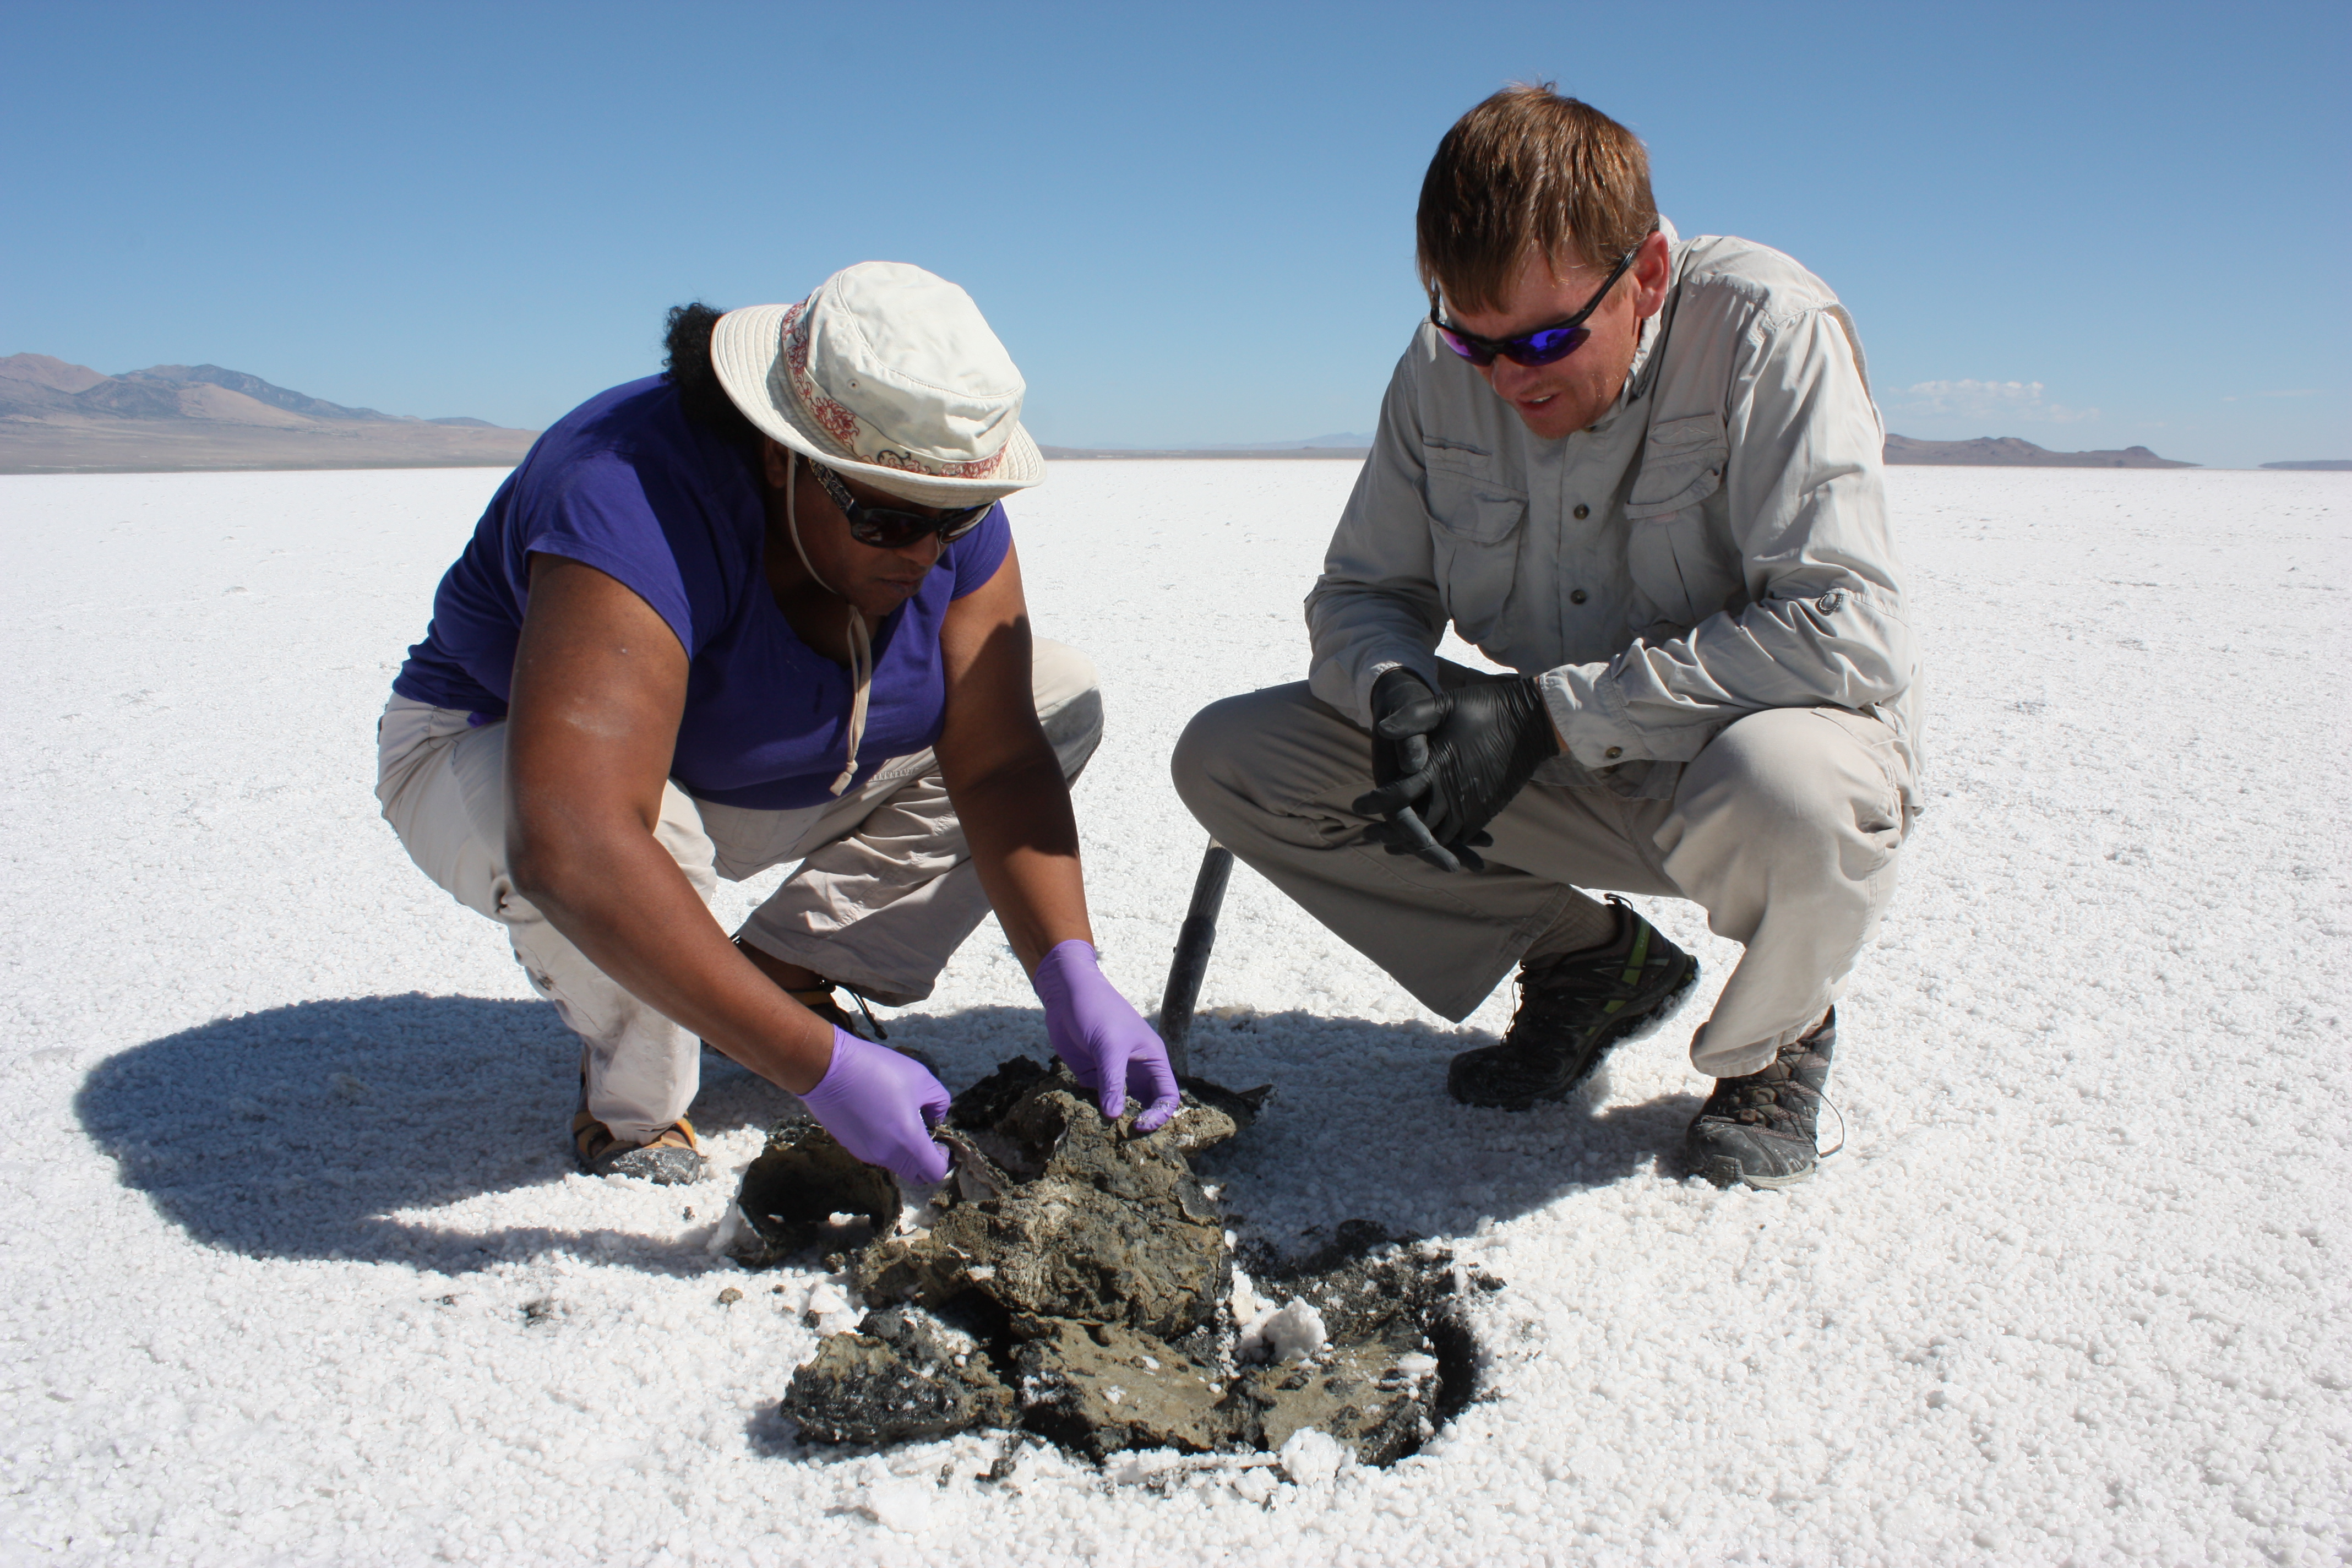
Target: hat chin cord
{"points": [[861, 646]]}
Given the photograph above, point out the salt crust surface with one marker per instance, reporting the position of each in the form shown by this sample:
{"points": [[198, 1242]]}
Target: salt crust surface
{"points": [[297, 1271]]}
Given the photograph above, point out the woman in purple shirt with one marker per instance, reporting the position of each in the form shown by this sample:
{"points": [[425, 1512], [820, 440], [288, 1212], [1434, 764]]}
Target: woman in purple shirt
{"points": [[765, 608]]}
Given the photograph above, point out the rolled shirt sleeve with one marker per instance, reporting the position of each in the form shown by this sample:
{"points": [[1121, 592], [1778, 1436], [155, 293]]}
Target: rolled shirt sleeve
{"points": [[1824, 622]]}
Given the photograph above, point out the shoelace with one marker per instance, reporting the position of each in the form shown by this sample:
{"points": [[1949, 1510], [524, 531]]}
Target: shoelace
{"points": [[861, 646], [1830, 1105], [1599, 990]]}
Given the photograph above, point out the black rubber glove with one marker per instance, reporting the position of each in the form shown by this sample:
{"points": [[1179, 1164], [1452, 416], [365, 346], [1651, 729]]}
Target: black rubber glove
{"points": [[1445, 763]]}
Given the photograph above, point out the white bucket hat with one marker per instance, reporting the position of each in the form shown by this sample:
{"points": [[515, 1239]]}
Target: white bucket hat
{"points": [[886, 373]]}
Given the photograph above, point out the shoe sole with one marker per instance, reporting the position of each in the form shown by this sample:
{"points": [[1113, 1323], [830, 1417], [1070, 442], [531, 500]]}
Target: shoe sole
{"points": [[662, 1167], [1616, 1035], [1723, 1171]]}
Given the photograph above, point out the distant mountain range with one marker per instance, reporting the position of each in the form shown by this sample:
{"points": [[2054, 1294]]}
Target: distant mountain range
{"points": [[57, 417], [2009, 452]]}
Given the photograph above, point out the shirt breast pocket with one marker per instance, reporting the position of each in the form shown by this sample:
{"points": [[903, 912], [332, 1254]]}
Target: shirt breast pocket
{"points": [[1475, 521], [1672, 549]]}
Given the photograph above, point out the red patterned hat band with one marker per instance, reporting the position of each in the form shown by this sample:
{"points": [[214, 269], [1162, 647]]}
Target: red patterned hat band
{"points": [[858, 439]]}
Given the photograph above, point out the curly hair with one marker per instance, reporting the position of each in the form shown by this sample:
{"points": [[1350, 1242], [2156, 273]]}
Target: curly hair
{"points": [[685, 338]]}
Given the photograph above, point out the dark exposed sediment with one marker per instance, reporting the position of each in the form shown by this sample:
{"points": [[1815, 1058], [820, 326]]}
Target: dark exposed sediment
{"points": [[1074, 1281]]}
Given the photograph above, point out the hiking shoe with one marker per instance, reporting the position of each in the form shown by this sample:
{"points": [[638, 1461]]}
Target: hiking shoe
{"points": [[1571, 1010], [672, 1159], [1759, 1129]]}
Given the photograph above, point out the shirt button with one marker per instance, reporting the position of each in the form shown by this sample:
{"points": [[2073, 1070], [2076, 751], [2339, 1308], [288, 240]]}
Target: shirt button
{"points": [[1577, 596], [1582, 511], [1614, 751]]}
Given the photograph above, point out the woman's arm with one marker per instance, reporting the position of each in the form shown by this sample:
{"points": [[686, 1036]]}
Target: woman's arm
{"points": [[599, 686], [1002, 773], [1015, 806]]}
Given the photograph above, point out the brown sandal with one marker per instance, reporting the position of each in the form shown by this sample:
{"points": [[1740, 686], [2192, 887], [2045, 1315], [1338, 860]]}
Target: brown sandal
{"points": [[673, 1158]]}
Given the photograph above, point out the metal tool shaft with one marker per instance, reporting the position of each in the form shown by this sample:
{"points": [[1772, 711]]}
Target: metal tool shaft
{"points": [[1194, 941]]}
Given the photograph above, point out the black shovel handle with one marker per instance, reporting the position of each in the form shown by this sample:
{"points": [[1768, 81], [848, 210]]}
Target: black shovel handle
{"points": [[1194, 941]]}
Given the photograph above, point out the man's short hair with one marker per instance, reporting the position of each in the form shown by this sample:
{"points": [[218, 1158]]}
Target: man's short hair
{"points": [[1528, 168]]}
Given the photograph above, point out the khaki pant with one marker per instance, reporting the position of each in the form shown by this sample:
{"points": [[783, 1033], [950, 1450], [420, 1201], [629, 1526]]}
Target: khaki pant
{"points": [[885, 893], [1786, 829]]}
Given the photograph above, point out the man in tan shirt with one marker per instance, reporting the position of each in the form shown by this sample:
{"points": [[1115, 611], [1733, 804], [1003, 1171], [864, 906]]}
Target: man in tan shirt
{"points": [[1645, 472]]}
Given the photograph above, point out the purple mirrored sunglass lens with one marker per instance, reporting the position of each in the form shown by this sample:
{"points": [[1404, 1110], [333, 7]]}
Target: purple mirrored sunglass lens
{"points": [[1475, 355], [1530, 349], [1543, 347]]}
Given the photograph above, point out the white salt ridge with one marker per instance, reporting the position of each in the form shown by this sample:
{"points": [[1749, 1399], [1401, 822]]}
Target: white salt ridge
{"points": [[2075, 1292]]}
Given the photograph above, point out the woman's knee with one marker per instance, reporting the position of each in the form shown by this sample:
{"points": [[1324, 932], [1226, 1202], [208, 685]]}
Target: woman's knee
{"points": [[1069, 695]]}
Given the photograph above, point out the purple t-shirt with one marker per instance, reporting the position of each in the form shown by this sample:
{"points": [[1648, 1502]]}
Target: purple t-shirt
{"points": [[626, 483]]}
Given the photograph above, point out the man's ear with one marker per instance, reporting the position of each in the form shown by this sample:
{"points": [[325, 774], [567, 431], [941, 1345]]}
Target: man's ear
{"points": [[1652, 269], [775, 462]]}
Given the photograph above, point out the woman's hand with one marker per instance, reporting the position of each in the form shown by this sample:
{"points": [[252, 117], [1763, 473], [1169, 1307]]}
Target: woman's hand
{"points": [[1111, 1050], [882, 1107]]}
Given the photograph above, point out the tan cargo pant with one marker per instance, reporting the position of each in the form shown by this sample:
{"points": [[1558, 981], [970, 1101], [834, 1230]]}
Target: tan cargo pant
{"points": [[885, 893], [1786, 829]]}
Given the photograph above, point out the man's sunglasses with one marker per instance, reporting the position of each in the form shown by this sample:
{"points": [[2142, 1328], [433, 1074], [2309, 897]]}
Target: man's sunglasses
{"points": [[1542, 346], [893, 528]]}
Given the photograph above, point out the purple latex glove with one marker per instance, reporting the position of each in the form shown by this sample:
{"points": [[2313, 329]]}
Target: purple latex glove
{"points": [[1111, 1050], [882, 1106]]}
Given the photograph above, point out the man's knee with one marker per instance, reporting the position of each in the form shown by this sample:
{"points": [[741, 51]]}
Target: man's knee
{"points": [[1796, 775], [1205, 762]]}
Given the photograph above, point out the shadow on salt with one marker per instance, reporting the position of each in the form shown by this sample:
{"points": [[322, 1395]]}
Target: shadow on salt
{"points": [[306, 1132]]}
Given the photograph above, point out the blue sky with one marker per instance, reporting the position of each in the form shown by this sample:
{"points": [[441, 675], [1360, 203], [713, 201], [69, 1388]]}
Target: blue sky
{"points": [[2086, 226]]}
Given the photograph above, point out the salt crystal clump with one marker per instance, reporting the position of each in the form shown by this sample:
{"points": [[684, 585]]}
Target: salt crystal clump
{"points": [[1294, 1332], [1290, 1332], [1247, 1308], [731, 1228], [1312, 1458]]}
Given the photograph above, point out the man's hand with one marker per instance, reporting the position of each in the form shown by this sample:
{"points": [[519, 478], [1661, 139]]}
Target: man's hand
{"points": [[1109, 1048], [1446, 762]]}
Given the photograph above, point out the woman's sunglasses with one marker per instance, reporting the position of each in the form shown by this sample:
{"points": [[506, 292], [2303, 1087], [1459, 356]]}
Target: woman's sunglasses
{"points": [[1542, 346], [892, 528]]}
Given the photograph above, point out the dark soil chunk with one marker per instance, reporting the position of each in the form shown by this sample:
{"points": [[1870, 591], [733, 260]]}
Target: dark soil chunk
{"points": [[1098, 1389], [1362, 1395], [984, 1105], [1113, 1229], [801, 1180], [1085, 1267], [1369, 1284], [903, 1376]]}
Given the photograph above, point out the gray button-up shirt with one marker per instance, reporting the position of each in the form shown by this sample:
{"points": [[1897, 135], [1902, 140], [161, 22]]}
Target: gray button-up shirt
{"points": [[1716, 545]]}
